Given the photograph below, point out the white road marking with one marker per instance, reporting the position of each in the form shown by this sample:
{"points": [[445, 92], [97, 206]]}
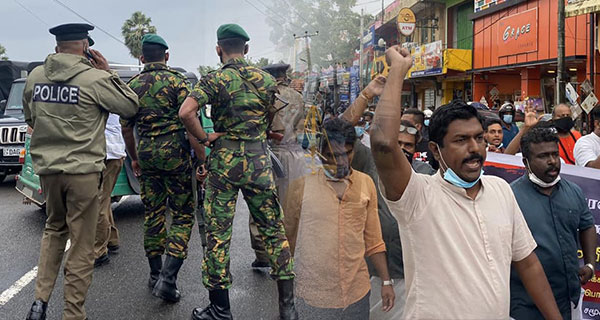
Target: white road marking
{"points": [[23, 282]]}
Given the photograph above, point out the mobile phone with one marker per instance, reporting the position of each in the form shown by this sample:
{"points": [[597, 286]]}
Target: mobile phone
{"points": [[89, 54]]}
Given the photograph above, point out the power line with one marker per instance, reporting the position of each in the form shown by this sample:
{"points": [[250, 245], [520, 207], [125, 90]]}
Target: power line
{"points": [[32, 13], [277, 14], [88, 21], [298, 13], [263, 13]]}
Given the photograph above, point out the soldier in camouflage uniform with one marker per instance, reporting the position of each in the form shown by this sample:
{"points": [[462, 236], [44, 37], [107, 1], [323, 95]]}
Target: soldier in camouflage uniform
{"points": [[164, 165], [242, 98], [287, 125]]}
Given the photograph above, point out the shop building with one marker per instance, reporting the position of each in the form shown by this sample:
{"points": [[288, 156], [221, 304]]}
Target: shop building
{"points": [[515, 50]]}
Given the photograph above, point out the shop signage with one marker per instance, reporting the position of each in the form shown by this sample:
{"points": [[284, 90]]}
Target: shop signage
{"points": [[581, 7], [571, 93], [406, 22], [587, 86], [589, 103], [368, 39], [518, 33], [427, 59]]}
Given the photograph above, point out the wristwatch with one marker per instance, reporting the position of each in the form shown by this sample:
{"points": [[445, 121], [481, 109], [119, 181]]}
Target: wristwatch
{"points": [[203, 141], [388, 282]]}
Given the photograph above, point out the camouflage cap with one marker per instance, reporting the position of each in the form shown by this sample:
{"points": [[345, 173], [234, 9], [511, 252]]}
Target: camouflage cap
{"points": [[231, 30], [151, 38]]}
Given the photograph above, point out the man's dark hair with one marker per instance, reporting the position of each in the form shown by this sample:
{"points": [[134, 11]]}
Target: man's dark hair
{"points": [[417, 114], [596, 114], [541, 132], [444, 115], [409, 124], [490, 121], [153, 52], [339, 131], [232, 45]]}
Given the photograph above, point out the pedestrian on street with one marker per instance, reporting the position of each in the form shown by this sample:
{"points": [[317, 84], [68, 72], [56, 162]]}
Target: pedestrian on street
{"points": [[163, 163], [493, 135], [455, 229], [287, 125], [509, 128], [242, 99], [332, 223], [563, 122], [587, 148], [423, 153], [67, 101], [558, 216], [107, 234]]}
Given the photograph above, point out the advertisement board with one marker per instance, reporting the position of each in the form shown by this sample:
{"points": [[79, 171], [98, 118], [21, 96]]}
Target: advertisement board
{"points": [[427, 59]]}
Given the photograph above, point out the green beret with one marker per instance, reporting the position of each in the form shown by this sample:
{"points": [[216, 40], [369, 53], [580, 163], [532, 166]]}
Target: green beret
{"points": [[151, 38], [231, 30]]}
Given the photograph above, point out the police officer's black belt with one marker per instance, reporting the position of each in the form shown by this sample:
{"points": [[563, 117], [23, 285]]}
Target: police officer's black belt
{"points": [[250, 146]]}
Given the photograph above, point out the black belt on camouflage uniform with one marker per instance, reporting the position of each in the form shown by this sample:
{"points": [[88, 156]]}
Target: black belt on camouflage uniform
{"points": [[249, 146]]}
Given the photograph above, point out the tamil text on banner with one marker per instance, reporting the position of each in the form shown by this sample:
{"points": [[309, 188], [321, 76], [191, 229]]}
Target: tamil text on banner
{"points": [[511, 167]]}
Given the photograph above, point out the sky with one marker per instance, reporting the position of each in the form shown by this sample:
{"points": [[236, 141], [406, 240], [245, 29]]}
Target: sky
{"points": [[188, 26]]}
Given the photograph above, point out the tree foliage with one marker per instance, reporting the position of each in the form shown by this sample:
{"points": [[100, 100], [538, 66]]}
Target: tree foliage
{"points": [[134, 29], [3, 55], [337, 24]]}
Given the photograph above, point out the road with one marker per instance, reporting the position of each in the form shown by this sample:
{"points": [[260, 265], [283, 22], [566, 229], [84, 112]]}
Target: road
{"points": [[119, 289]]}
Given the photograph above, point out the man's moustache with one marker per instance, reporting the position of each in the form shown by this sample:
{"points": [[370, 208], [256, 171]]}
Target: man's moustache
{"points": [[475, 156]]}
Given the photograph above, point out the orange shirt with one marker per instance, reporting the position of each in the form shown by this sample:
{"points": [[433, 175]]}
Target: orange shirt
{"points": [[330, 238], [568, 144]]}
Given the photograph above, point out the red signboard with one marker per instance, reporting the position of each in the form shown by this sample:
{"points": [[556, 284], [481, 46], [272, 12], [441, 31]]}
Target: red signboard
{"points": [[518, 33]]}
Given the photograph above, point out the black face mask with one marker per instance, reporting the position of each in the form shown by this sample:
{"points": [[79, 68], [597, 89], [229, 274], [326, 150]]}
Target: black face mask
{"points": [[564, 124], [408, 155]]}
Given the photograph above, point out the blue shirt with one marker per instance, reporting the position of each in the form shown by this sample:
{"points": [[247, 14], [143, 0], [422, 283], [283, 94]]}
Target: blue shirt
{"points": [[509, 134], [555, 222]]}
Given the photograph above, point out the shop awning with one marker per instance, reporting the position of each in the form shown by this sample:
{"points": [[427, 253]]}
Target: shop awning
{"points": [[457, 59], [580, 7]]}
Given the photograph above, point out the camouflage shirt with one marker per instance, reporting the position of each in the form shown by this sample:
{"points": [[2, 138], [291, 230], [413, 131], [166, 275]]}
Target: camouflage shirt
{"points": [[235, 108], [161, 91]]}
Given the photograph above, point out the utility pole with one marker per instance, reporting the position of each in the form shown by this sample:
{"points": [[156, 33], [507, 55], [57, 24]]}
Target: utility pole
{"points": [[362, 47], [306, 36], [382, 11], [560, 73]]}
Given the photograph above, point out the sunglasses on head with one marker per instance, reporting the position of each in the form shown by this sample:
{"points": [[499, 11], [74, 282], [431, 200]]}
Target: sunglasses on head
{"points": [[410, 130]]}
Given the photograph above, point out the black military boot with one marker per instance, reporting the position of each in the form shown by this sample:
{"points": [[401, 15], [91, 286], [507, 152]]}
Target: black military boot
{"points": [[166, 287], [218, 309], [38, 310], [155, 263], [287, 307]]}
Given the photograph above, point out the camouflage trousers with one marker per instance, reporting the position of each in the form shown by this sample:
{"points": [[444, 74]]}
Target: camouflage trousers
{"points": [[166, 178], [250, 172]]}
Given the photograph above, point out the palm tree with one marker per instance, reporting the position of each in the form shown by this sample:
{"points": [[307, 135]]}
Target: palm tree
{"points": [[3, 53], [134, 29]]}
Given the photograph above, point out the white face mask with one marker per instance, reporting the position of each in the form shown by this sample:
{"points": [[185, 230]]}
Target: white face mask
{"points": [[539, 181]]}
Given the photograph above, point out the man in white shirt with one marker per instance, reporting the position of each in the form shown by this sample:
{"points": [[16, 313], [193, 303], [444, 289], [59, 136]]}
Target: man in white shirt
{"points": [[460, 231], [587, 148], [107, 235]]}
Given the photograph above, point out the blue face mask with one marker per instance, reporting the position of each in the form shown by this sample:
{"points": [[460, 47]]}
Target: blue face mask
{"points": [[507, 118], [453, 178], [426, 122], [360, 131]]}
